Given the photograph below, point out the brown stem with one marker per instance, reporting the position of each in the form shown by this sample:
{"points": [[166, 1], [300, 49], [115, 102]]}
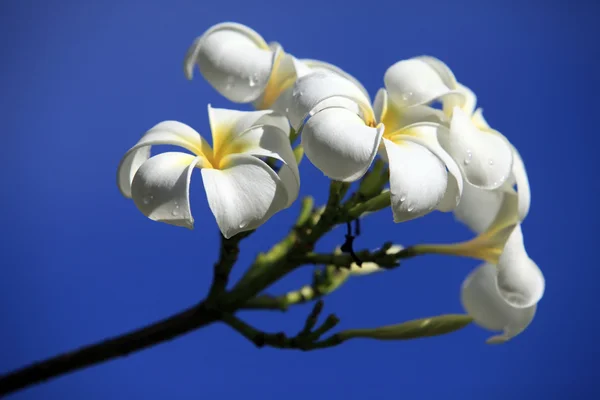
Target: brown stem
{"points": [[120, 346]]}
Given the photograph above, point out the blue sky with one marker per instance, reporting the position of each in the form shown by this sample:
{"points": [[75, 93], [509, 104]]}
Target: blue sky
{"points": [[81, 81]]}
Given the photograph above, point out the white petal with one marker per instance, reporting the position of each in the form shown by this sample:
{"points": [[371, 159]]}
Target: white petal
{"points": [[470, 101], [226, 125], [395, 118], [244, 195], [520, 281], [284, 72], [234, 59], [478, 120], [481, 300], [338, 142], [317, 65], [519, 175], [418, 179], [426, 134], [478, 207], [485, 158], [270, 141], [160, 188], [443, 71], [312, 89], [165, 133], [417, 81]]}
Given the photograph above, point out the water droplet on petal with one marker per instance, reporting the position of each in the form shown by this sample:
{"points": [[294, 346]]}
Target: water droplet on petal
{"points": [[491, 162], [175, 212], [410, 208], [243, 224], [402, 199], [253, 80], [287, 110], [147, 199], [468, 158]]}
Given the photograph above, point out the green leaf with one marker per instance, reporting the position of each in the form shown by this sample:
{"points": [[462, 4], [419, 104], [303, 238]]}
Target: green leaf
{"points": [[418, 328]]}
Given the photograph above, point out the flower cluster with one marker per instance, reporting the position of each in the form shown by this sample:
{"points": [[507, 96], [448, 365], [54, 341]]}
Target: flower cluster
{"points": [[441, 153]]}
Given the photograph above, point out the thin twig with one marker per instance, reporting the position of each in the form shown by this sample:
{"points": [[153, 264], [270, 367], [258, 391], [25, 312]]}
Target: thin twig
{"points": [[120, 346]]}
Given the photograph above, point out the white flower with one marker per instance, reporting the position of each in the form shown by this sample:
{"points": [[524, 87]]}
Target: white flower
{"points": [[518, 174], [485, 159], [504, 297], [242, 190], [241, 66], [343, 133]]}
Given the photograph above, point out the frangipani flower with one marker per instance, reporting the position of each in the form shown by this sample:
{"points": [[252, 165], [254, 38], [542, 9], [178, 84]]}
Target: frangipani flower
{"points": [[343, 134], [504, 296], [494, 215], [483, 302], [243, 192], [240, 65], [484, 159], [518, 175]]}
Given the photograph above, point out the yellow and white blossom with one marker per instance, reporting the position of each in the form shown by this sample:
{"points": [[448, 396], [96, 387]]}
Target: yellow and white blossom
{"points": [[244, 68], [243, 191], [484, 159], [343, 133]]}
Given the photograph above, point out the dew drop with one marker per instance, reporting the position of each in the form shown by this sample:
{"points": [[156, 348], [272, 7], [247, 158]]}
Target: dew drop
{"points": [[148, 199], [410, 208], [402, 199], [287, 110], [407, 96], [468, 158], [243, 224], [175, 212], [253, 80], [491, 162]]}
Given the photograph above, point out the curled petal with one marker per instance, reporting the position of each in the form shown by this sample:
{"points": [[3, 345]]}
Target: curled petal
{"points": [[284, 72], [418, 179], [227, 125], [520, 281], [338, 142], [443, 71], [312, 89], [519, 175], [468, 106], [420, 81], [244, 195], [234, 59], [165, 133], [160, 188], [319, 66], [270, 141], [479, 121], [478, 207], [426, 134], [485, 158], [482, 301], [395, 118]]}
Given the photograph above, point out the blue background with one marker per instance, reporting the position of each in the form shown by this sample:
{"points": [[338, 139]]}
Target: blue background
{"points": [[81, 81]]}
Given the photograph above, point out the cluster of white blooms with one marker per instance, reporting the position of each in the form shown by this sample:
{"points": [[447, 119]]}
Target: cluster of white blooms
{"points": [[446, 158]]}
